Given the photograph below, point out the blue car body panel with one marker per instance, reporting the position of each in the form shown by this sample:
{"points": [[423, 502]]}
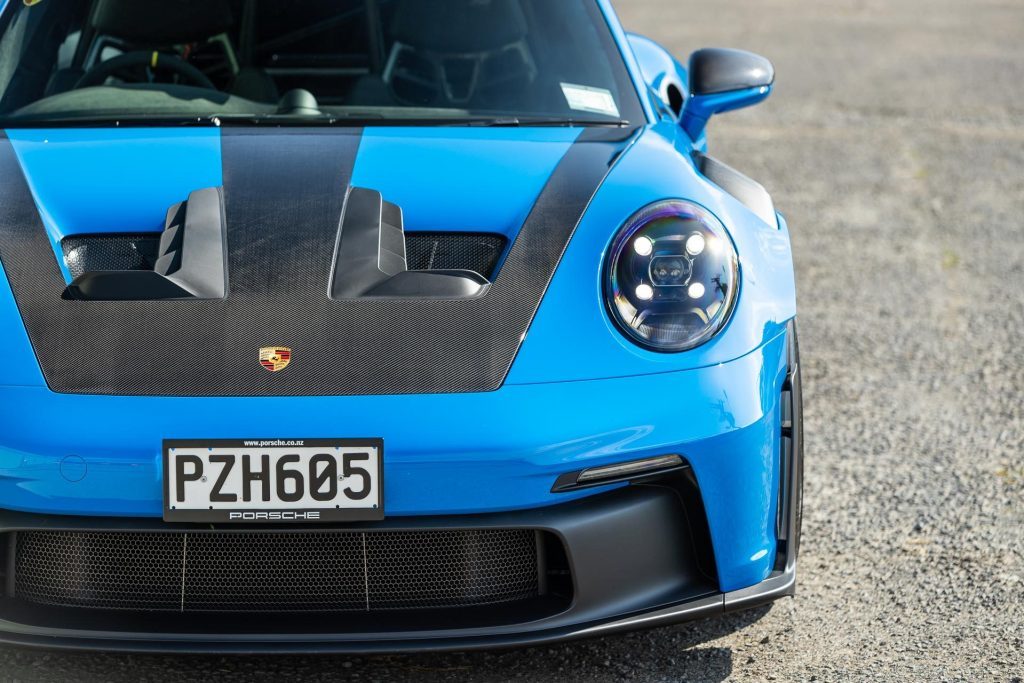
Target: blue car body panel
{"points": [[109, 180], [716, 404], [483, 180], [660, 71], [578, 394], [454, 454], [652, 171], [77, 176]]}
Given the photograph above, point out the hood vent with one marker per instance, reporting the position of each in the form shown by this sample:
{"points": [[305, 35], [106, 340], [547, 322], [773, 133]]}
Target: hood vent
{"points": [[476, 252], [371, 258], [117, 252], [188, 260], [110, 256], [479, 252]]}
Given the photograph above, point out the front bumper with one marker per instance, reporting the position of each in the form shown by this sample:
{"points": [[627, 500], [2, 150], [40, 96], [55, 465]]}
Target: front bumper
{"points": [[644, 554], [461, 454], [621, 580]]}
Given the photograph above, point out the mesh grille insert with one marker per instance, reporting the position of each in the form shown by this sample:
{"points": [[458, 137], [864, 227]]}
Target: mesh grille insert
{"points": [[478, 252], [454, 251], [316, 571], [92, 253]]}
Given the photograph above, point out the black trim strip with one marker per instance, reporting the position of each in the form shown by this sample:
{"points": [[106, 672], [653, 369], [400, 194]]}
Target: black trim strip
{"points": [[12, 550], [283, 191], [782, 582]]}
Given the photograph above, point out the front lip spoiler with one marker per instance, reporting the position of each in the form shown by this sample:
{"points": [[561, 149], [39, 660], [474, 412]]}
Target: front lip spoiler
{"points": [[780, 584]]}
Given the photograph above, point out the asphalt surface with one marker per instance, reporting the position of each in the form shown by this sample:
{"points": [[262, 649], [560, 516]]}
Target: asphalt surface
{"points": [[895, 145]]}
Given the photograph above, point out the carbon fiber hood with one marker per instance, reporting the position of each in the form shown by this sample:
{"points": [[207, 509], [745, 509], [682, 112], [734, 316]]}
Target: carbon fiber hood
{"points": [[283, 194]]}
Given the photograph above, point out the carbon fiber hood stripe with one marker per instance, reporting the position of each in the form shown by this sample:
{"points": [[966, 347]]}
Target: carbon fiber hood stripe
{"points": [[284, 191]]}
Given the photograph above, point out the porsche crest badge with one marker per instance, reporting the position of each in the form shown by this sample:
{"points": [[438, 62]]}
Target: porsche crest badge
{"points": [[275, 358]]}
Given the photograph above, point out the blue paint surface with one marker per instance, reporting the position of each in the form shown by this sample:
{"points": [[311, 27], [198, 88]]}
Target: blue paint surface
{"points": [[461, 179], [578, 394], [660, 70], [97, 180], [699, 110], [451, 454]]}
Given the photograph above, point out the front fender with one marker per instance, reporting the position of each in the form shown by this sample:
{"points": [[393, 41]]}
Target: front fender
{"points": [[573, 338]]}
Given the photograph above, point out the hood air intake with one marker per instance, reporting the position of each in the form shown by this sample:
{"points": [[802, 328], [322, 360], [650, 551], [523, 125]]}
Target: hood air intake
{"points": [[185, 261], [370, 259], [190, 259]]}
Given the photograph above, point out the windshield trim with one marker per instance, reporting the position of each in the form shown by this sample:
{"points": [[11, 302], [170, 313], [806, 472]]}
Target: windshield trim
{"points": [[618, 33], [330, 121]]}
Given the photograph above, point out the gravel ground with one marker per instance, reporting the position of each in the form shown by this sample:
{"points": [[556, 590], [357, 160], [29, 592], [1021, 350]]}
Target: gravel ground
{"points": [[895, 144]]}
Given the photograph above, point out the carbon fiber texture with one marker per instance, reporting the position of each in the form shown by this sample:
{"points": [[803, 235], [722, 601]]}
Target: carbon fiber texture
{"points": [[478, 252], [284, 190]]}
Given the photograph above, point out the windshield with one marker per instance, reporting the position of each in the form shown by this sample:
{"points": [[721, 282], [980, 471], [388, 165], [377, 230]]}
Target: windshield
{"points": [[506, 62]]}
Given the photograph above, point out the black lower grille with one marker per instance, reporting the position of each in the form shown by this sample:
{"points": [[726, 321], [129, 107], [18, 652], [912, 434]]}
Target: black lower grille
{"points": [[315, 571]]}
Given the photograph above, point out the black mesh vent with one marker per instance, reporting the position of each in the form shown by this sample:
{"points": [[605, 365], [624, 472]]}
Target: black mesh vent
{"points": [[478, 252], [329, 571], [91, 253], [454, 251], [6, 553]]}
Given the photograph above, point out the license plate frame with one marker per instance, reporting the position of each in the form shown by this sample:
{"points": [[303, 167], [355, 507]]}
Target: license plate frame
{"points": [[275, 511]]}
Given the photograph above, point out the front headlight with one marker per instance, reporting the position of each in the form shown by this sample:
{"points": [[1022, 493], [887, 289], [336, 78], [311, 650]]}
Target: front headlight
{"points": [[672, 277]]}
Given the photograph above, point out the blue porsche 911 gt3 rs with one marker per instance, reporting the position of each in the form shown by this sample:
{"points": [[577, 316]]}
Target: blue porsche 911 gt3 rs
{"points": [[382, 325]]}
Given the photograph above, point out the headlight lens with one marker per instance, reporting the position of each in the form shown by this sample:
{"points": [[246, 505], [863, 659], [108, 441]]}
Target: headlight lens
{"points": [[672, 277]]}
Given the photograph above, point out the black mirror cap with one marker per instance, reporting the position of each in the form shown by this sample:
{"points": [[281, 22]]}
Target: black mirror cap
{"points": [[719, 70]]}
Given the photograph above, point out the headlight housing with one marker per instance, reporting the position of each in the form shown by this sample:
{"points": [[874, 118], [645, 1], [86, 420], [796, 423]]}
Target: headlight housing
{"points": [[672, 277]]}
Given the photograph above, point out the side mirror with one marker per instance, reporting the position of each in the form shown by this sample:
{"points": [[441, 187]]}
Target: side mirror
{"points": [[723, 80]]}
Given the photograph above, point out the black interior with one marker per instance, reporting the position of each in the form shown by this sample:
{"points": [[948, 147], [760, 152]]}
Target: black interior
{"points": [[455, 56], [162, 23]]}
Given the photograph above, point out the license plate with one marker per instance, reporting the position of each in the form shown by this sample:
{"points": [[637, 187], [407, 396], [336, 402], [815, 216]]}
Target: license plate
{"points": [[273, 481]]}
